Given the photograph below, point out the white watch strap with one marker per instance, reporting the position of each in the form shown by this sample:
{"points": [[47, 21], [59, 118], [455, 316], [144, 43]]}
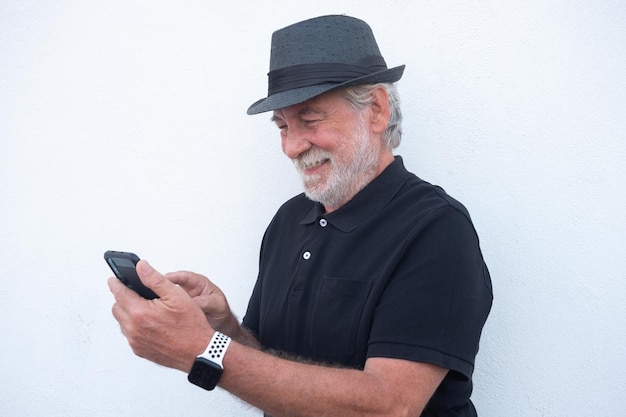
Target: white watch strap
{"points": [[217, 348]]}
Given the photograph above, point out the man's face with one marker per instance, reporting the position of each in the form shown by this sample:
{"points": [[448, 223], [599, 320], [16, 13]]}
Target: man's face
{"points": [[331, 146]]}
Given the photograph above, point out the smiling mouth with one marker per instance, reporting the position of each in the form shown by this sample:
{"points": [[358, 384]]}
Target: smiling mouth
{"points": [[312, 166], [311, 161]]}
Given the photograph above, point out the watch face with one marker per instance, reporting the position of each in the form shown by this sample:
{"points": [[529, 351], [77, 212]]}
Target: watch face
{"points": [[205, 373]]}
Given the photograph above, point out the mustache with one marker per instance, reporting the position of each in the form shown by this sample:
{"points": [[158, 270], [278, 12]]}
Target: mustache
{"points": [[312, 158]]}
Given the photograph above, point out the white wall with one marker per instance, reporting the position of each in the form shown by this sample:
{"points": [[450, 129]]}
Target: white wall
{"points": [[123, 126]]}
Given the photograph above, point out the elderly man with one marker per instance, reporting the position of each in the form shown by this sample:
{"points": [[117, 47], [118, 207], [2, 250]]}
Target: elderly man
{"points": [[372, 291]]}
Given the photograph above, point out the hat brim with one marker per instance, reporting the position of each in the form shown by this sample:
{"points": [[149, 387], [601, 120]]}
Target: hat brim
{"points": [[299, 95]]}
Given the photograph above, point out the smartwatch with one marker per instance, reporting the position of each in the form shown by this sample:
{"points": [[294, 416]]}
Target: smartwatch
{"points": [[207, 368]]}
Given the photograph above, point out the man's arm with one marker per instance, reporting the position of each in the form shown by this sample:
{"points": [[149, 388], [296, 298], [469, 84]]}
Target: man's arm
{"points": [[386, 387], [172, 330]]}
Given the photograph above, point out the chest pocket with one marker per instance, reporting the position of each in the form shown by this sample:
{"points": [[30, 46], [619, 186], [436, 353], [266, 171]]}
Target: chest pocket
{"points": [[336, 319]]}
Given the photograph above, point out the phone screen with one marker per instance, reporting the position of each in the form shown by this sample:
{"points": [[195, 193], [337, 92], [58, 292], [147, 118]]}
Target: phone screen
{"points": [[123, 266]]}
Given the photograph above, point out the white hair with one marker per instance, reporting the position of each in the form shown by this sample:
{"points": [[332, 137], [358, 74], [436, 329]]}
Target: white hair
{"points": [[360, 97]]}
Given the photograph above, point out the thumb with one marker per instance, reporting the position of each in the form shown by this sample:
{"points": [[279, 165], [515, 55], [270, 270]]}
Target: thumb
{"points": [[153, 279]]}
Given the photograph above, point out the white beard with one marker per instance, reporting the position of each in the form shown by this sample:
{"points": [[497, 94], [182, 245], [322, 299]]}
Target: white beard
{"points": [[352, 167]]}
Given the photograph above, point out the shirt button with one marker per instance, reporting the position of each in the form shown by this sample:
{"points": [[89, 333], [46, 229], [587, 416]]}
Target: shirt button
{"points": [[323, 222], [306, 255]]}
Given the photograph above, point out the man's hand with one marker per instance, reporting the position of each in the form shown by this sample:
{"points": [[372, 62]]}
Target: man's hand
{"points": [[171, 330], [209, 298]]}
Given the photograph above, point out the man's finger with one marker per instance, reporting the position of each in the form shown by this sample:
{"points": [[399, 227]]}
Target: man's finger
{"points": [[119, 290], [153, 279], [192, 283]]}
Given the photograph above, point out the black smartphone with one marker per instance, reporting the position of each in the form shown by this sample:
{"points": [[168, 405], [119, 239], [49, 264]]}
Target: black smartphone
{"points": [[123, 266]]}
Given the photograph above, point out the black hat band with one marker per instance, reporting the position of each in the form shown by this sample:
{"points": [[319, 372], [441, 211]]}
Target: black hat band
{"points": [[305, 75]]}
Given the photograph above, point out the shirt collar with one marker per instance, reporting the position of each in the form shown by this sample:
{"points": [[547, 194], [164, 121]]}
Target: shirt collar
{"points": [[367, 202]]}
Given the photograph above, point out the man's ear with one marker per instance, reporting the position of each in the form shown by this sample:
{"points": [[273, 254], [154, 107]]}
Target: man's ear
{"points": [[380, 111]]}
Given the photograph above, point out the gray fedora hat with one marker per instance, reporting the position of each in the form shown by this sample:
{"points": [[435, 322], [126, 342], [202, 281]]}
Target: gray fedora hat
{"points": [[317, 55]]}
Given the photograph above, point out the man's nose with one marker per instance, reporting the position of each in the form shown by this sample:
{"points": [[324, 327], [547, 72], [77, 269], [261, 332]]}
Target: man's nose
{"points": [[295, 141]]}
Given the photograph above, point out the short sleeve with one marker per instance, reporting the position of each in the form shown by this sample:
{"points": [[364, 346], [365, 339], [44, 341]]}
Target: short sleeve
{"points": [[436, 303]]}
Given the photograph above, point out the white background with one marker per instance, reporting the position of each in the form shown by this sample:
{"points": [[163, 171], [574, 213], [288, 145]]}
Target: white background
{"points": [[123, 126]]}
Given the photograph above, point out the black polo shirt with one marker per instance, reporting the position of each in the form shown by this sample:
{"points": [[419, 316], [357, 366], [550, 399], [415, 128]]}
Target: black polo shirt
{"points": [[396, 272]]}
